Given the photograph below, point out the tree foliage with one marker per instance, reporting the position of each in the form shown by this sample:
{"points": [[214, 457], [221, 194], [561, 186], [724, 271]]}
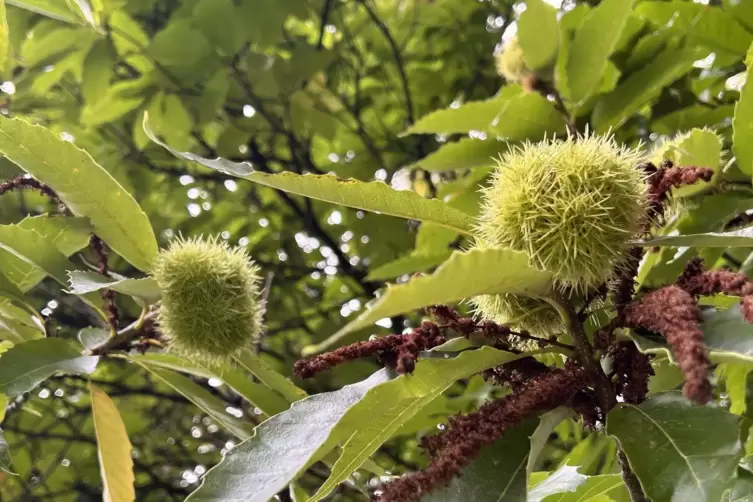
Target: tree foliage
{"points": [[344, 145]]}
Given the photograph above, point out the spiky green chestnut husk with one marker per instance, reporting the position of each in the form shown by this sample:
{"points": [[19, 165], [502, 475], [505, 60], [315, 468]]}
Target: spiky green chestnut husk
{"points": [[573, 206], [211, 304], [536, 316], [510, 63]]}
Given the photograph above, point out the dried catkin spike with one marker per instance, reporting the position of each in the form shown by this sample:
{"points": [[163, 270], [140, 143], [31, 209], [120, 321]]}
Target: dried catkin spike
{"points": [[211, 303]]}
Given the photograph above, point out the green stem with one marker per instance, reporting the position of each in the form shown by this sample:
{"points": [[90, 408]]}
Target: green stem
{"points": [[123, 337], [601, 383]]}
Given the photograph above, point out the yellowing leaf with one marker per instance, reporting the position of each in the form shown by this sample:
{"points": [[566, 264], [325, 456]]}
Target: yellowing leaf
{"points": [[113, 449], [594, 41]]}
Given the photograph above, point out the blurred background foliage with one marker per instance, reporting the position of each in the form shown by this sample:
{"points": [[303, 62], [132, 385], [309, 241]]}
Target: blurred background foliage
{"points": [[314, 86]]}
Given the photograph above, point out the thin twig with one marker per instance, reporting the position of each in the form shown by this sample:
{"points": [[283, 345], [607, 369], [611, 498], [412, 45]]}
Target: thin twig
{"points": [[395, 54], [125, 336], [601, 383], [108, 295]]}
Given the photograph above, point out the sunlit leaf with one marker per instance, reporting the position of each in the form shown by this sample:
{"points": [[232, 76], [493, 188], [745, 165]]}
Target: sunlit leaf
{"points": [[466, 274], [742, 124], [613, 109], [414, 262], [538, 34], [594, 41], [701, 148], [468, 153], [113, 448], [372, 196], [87, 189], [50, 8]]}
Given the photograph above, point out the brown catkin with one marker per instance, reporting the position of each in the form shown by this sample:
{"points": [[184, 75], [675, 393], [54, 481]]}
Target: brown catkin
{"points": [[461, 442], [673, 313]]}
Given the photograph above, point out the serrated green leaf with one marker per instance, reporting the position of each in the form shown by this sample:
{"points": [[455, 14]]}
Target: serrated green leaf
{"points": [[468, 153], [172, 362], [8, 288], [262, 397], [205, 400], [466, 117], [17, 325], [672, 462], [84, 186], [67, 235], [27, 364], [712, 27], [144, 290], [498, 473], [701, 148], [594, 41], [97, 72], [414, 262], [370, 196], [113, 449], [385, 409], [613, 109], [179, 43], [30, 253], [538, 34], [733, 238], [283, 446], [272, 379], [50, 8], [5, 56], [742, 124], [527, 116], [465, 275], [110, 108]]}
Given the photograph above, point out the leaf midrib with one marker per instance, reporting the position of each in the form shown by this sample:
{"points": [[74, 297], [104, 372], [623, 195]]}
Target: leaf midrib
{"points": [[38, 369], [672, 442], [390, 424]]}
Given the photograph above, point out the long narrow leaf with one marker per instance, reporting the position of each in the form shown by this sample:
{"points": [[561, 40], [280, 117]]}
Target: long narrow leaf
{"points": [[370, 196]]}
